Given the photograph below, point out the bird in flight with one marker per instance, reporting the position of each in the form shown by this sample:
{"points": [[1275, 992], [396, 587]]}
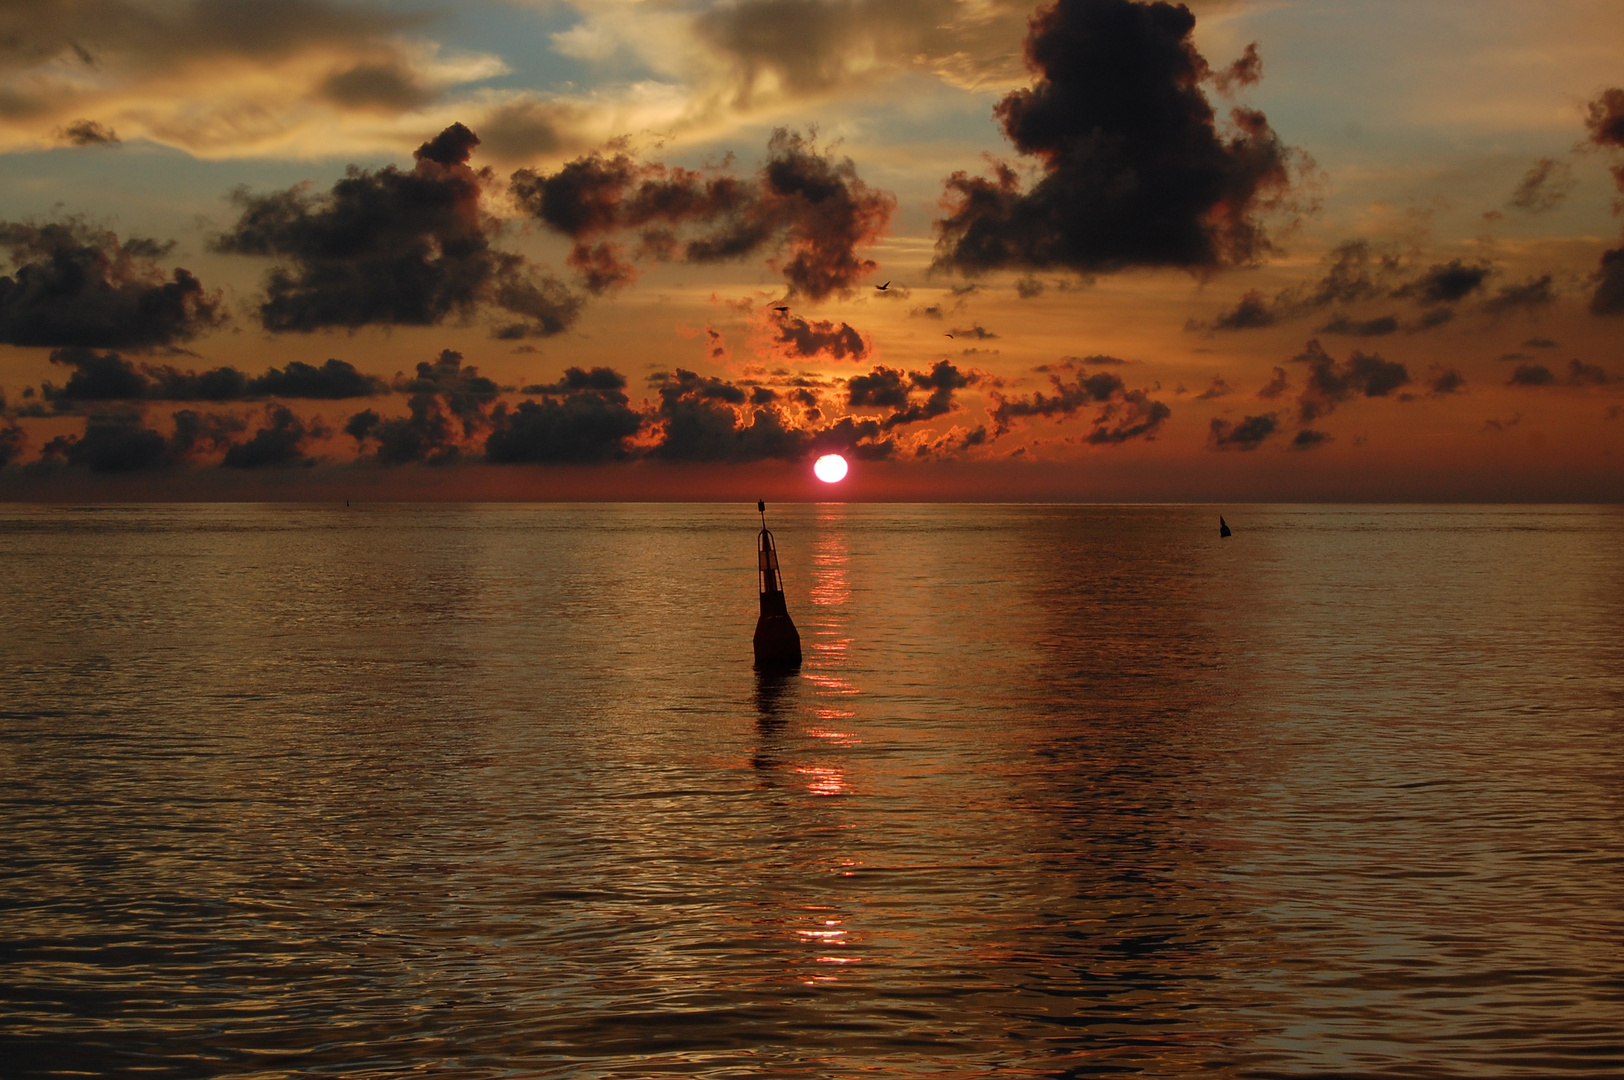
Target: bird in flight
{"points": [[884, 287], [782, 309]]}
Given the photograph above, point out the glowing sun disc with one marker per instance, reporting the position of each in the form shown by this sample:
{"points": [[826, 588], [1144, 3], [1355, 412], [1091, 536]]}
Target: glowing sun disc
{"points": [[830, 468]]}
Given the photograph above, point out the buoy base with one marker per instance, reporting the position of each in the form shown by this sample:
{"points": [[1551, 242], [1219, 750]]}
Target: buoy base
{"points": [[778, 646]]}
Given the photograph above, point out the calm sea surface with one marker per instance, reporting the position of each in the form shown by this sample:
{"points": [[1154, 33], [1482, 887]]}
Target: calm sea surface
{"points": [[480, 791]]}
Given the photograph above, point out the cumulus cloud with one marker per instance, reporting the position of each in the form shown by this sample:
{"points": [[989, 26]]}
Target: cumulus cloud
{"points": [[281, 441], [1605, 121], [1276, 386], [448, 405], [1123, 414], [1535, 292], [393, 247], [1308, 439], [806, 210], [112, 442], [1445, 380], [584, 417], [76, 285], [1583, 374], [1608, 298], [1219, 388], [1544, 186], [1330, 383], [1134, 169], [1356, 272], [88, 133], [1248, 434], [891, 388], [1531, 375], [797, 338], [12, 442], [109, 376]]}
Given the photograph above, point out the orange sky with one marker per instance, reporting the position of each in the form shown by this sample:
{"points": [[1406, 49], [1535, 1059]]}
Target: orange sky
{"points": [[1364, 260]]}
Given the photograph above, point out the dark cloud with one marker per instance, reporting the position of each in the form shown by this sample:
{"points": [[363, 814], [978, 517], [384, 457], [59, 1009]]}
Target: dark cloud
{"points": [[448, 405], [88, 133], [110, 377], [334, 380], [1252, 312], [1246, 435], [1329, 383], [1380, 327], [74, 285], [1609, 296], [1134, 171], [1432, 319], [1583, 374], [280, 441], [818, 337], [388, 86], [1123, 414], [930, 311], [1308, 439], [882, 388], [976, 332], [804, 207], [941, 381], [1027, 287], [12, 442], [1543, 187], [1445, 381], [1245, 71], [1539, 343], [1531, 375], [700, 423], [1219, 388], [1605, 119], [394, 248], [584, 417], [1446, 283], [198, 433], [113, 442], [1276, 386], [1532, 293]]}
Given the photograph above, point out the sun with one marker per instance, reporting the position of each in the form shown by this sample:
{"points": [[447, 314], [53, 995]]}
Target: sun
{"points": [[830, 468]]}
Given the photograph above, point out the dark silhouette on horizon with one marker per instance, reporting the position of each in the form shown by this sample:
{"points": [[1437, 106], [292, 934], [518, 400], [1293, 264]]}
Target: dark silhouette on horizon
{"points": [[777, 644], [1223, 527]]}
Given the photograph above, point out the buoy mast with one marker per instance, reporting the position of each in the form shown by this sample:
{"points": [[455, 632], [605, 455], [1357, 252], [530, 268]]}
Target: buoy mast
{"points": [[777, 644]]}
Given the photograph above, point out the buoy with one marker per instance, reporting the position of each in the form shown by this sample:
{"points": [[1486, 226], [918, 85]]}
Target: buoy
{"points": [[778, 646], [1223, 527]]}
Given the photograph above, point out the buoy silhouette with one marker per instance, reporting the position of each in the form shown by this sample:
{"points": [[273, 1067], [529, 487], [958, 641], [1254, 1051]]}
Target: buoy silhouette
{"points": [[778, 646], [1223, 527]]}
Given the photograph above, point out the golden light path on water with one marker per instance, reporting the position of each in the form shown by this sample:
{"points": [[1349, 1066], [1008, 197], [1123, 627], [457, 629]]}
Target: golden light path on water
{"points": [[1058, 791]]}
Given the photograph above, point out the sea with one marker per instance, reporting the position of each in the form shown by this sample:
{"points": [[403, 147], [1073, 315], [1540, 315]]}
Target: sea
{"points": [[1058, 791]]}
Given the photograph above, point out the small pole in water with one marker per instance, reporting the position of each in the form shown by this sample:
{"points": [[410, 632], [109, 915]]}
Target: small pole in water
{"points": [[1223, 527], [777, 644]]}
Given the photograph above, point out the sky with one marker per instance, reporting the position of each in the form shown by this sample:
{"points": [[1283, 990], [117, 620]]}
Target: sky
{"points": [[1296, 250]]}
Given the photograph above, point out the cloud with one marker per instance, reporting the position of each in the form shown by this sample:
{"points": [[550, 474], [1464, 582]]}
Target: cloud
{"points": [[280, 442], [1246, 435], [1583, 374], [584, 417], [1245, 71], [223, 77], [395, 248], [1123, 414], [1387, 324], [1276, 386], [442, 391], [976, 332], [110, 377], [807, 210], [1251, 312], [941, 381], [332, 381], [1134, 170], [1218, 389], [1609, 278], [1446, 283], [75, 285], [1308, 439], [13, 440], [1544, 186], [114, 442], [700, 423], [1352, 272], [1539, 343], [1605, 119], [1445, 380], [1330, 384], [1531, 375], [1532, 293], [88, 133], [802, 338], [882, 388]]}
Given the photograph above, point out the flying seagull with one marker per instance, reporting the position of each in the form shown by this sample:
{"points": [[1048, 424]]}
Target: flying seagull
{"points": [[884, 287], [781, 310]]}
